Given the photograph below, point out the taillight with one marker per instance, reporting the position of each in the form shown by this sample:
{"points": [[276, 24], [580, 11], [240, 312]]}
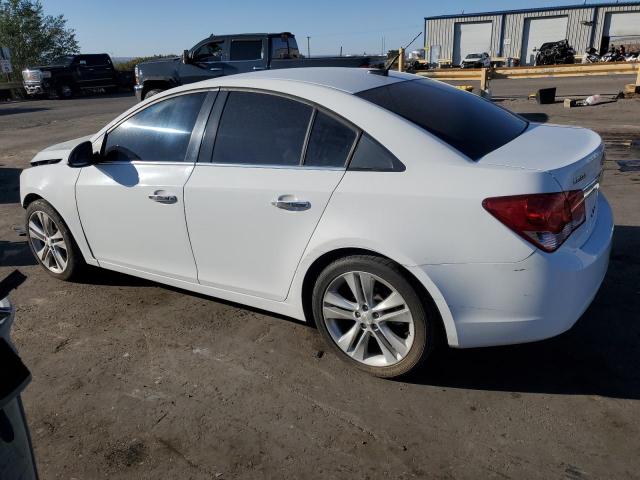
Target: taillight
{"points": [[544, 219]]}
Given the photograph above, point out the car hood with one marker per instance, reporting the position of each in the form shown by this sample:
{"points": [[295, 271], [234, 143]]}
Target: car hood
{"points": [[59, 151]]}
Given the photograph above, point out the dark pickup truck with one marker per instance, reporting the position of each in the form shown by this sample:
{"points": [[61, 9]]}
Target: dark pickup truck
{"points": [[69, 75], [221, 55]]}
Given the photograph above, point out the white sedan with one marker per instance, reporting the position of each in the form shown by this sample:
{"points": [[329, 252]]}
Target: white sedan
{"points": [[392, 211]]}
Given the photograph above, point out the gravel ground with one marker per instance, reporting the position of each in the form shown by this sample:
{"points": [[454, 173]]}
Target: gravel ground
{"points": [[136, 380]]}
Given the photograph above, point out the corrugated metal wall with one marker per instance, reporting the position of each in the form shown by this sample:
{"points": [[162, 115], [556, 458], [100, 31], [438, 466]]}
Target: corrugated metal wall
{"points": [[506, 36]]}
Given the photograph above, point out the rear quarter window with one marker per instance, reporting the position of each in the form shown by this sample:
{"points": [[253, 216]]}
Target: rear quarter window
{"points": [[470, 124]]}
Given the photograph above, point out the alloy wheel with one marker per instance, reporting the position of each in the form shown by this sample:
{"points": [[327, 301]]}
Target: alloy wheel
{"points": [[48, 242], [368, 319]]}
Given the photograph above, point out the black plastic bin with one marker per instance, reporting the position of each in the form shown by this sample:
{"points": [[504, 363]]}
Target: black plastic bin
{"points": [[546, 96]]}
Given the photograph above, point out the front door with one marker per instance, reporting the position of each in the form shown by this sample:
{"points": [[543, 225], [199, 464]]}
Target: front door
{"points": [[131, 205], [207, 61], [253, 205]]}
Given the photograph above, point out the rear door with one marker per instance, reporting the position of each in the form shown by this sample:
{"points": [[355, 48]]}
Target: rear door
{"points": [[256, 196], [246, 55]]}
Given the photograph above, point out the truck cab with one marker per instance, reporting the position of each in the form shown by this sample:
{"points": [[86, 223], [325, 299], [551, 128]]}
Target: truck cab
{"points": [[220, 55]]}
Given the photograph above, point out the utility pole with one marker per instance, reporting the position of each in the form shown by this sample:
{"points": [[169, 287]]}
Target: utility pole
{"points": [[308, 47]]}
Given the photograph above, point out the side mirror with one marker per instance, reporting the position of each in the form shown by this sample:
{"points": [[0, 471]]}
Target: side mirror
{"points": [[185, 57], [82, 155]]}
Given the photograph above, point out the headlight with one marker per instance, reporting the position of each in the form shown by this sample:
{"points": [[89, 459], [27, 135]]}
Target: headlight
{"points": [[32, 75]]}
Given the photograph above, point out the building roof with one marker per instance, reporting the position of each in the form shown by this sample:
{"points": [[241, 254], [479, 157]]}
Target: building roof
{"points": [[532, 10]]}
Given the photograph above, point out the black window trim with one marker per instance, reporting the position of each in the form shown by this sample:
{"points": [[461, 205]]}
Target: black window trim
{"points": [[211, 132], [195, 144]]}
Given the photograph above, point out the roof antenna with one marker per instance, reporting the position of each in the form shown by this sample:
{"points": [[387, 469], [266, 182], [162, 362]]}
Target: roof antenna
{"points": [[385, 71]]}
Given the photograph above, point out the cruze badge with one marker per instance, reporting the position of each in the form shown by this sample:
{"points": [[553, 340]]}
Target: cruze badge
{"points": [[579, 178]]}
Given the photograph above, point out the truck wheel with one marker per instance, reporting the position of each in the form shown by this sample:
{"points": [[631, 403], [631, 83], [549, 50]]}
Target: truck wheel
{"points": [[65, 91], [151, 93]]}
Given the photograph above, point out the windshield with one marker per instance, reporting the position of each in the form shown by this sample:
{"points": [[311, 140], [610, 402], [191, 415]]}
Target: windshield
{"points": [[64, 60], [470, 124], [474, 55]]}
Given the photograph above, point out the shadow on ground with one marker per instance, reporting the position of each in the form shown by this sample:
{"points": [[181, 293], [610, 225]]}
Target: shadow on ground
{"points": [[535, 117], [16, 254], [599, 356], [12, 110], [10, 185]]}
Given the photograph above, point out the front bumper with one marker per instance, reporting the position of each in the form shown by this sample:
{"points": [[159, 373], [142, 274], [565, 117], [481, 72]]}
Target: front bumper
{"points": [[138, 91], [540, 297], [35, 88]]}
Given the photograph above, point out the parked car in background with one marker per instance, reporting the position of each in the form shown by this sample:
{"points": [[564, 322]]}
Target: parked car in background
{"points": [[70, 75], [16, 455], [221, 55], [476, 60], [300, 192]]}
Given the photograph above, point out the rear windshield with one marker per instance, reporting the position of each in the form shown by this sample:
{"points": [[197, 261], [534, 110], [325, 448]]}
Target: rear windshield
{"points": [[472, 125]]}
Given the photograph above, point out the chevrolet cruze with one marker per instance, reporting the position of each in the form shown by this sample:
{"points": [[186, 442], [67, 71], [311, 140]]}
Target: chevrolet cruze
{"points": [[391, 210]]}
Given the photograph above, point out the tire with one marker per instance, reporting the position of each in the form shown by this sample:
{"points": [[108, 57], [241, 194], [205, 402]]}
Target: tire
{"points": [[151, 93], [52, 244], [65, 91], [363, 336]]}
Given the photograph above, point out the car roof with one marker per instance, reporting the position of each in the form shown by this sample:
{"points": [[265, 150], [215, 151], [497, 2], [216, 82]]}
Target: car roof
{"points": [[348, 80]]}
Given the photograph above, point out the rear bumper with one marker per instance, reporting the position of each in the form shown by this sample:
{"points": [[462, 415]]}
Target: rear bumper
{"points": [[540, 297]]}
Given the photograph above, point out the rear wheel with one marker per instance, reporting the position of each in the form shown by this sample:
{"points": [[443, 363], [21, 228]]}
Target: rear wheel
{"points": [[51, 241], [65, 91], [372, 316]]}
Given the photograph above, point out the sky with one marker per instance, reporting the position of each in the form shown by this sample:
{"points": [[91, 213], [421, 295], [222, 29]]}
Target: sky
{"points": [[129, 28]]}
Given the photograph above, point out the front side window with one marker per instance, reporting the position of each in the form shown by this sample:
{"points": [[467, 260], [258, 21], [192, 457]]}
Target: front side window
{"points": [[261, 129], [209, 52], [246, 50], [159, 133], [330, 142], [470, 124]]}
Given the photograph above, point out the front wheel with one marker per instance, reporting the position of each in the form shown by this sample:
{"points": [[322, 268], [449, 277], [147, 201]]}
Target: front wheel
{"points": [[372, 316], [51, 241], [151, 93]]}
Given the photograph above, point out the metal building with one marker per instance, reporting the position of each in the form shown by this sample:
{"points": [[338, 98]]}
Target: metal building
{"points": [[517, 33]]}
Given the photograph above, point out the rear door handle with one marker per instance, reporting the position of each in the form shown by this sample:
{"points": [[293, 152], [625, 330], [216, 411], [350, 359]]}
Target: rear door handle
{"points": [[161, 196], [289, 202]]}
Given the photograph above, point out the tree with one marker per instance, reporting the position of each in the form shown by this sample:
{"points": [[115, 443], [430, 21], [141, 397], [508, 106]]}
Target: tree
{"points": [[33, 37]]}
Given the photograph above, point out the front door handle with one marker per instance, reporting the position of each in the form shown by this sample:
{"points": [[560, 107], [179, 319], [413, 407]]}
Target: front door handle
{"points": [[291, 203], [161, 196]]}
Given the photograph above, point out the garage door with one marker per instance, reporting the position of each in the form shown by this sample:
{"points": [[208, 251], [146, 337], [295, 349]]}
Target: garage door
{"points": [[471, 38], [538, 31], [622, 25]]}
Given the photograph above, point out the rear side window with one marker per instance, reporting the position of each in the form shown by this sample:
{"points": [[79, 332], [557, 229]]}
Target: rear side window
{"points": [[470, 124], [159, 133], [330, 142], [371, 156], [246, 50], [261, 129]]}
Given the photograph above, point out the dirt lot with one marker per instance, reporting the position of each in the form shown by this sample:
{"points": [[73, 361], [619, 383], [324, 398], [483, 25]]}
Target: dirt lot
{"points": [[136, 380]]}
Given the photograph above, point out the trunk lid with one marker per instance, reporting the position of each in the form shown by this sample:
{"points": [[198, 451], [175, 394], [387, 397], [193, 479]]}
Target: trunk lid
{"points": [[572, 156]]}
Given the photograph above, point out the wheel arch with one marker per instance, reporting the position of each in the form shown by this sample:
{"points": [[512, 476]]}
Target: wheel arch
{"points": [[431, 297], [30, 198]]}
